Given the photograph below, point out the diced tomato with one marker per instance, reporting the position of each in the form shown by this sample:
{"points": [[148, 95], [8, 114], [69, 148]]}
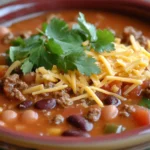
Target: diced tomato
{"points": [[145, 84], [117, 83], [135, 93], [142, 116]]}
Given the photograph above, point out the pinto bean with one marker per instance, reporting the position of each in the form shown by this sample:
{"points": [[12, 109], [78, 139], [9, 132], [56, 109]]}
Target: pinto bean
{"points": [[80, 122], [3, 31], [75, 133], [9, 115], [109, 112], [46, 104], [29, 116], [2, 123], [25, 104], [111, 100]]}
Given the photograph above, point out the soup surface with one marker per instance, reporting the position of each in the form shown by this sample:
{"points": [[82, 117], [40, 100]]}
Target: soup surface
{"points": [[73, 102]]}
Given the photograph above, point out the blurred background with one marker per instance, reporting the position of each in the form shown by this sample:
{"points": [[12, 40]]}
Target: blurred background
{"points": [[5, 1]]}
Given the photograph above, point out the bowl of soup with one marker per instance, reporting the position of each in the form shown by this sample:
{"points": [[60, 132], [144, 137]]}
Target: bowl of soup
{"points": [[75, 75]]}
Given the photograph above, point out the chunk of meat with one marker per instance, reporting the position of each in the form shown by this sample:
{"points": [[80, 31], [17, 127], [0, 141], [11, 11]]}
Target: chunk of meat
{"points": [[12, 36], [129, 30], [8, 38], [13, 86], [63, 98], [58, 119], [94, 114], [127, 110]]}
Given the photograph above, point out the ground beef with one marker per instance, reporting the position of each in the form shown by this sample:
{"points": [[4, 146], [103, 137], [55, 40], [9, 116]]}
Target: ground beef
{"points": [[63, 98], [126, 110], [124, 113], [94, 114], [137, 34], [26, 34], [13, 86], [11, 36], [58, 119], [8, 38]]}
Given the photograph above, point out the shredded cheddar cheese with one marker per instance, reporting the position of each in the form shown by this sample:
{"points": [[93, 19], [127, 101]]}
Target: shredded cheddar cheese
{"points": [[129, 64], [33, 89], [61, 87], [108, 93], [94, 96], [12, 67]]}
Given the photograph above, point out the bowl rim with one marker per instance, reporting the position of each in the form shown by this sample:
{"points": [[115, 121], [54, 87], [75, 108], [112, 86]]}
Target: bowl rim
{"points": [[135, 136]]}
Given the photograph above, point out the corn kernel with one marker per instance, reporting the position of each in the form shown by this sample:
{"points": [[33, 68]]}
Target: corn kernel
{"points": [[54, 131]]}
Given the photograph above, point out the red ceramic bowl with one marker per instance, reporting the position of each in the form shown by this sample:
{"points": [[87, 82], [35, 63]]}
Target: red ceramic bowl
{"points": [[138, 139]]}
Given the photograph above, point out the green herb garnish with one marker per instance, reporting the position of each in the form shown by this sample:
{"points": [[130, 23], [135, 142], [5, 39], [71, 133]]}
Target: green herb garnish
{"points": [[145, 102], [58, 45]]}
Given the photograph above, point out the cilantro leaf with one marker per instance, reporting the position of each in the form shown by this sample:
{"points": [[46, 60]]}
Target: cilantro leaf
{"points": [[39, 56], [44, 27], [87, 66], [58, 45], [17, 42], [68, 62], [27, 66], [145, 102], [104, 41], [87, 28], [61, 39], [56, 29], [18, 53], [54, 47]]}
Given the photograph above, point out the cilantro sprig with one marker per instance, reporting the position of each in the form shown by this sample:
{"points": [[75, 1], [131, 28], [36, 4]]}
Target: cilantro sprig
{"points": [[58, 45]]}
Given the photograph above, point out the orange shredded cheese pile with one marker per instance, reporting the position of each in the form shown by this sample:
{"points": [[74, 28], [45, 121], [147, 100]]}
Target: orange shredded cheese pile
{"points": [[129, 64]]}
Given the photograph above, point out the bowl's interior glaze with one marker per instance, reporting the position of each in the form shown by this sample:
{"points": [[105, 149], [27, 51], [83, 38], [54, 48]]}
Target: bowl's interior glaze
{"points": [[25, 9]]}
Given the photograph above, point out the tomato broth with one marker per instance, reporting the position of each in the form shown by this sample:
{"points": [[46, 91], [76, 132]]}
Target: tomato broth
{"points": [[75, 119]]}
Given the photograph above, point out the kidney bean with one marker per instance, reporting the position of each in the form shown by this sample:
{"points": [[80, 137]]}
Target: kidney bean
{"points": [[75, 133], [46, 104], [25, 104], [80, 122], [100, 95], [111, 100]]}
